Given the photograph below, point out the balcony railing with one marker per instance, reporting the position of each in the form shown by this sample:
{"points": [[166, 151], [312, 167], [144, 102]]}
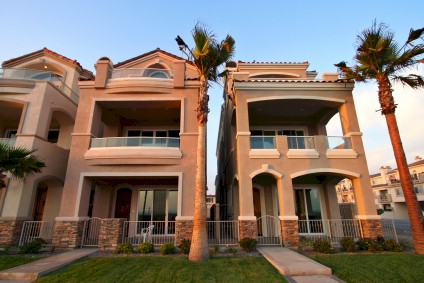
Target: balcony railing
{"points": [[262, 142], [146, 73], [9, 142], [135, 142], [300, 142], [338, 143], [30, 74], [384, 198]]}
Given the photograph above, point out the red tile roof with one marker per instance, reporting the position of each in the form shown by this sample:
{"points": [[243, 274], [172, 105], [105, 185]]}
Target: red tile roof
{"points": [[254, 62], [119, 64]]}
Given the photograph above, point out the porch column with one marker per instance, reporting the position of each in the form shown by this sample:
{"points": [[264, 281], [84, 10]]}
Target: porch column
{"points": [[68, 232], [367, 213], [288, 219], [110, 234], [247, 218], [10, 230], [183, 228]]}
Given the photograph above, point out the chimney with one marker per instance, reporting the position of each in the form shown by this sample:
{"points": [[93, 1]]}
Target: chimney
{"points": [[383, 172], [330, 76], [418, 158], [104, 69]]}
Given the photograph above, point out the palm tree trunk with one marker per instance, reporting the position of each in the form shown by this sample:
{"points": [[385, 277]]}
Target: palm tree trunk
{"points": [[412, 204], [199, 250]]}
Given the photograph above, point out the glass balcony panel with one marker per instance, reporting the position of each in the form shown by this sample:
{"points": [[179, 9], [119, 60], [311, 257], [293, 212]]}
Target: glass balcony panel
{"points": [[134, 141], [300, 142], [8, 142], [262, 142], [339, 143]]}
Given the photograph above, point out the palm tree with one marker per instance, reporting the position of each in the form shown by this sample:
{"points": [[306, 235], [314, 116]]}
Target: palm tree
{"points": [[18, 162], [207, 55], [380, 58]]}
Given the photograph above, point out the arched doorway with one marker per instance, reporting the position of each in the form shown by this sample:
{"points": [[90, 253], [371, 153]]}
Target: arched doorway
{"points": [[123, 203]]}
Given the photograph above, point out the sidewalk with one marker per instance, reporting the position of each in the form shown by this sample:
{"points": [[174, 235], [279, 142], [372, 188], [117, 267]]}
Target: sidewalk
{"points": [[31, 271], [296, 267]]}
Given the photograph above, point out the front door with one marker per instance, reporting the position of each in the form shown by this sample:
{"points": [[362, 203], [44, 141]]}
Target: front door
{"points": [[257, 207], [40, 202], [123, 203]]}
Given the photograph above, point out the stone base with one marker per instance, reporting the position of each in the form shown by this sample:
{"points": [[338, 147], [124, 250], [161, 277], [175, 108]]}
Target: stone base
{"points": [[110, 234], [10, 232], [247, 229], [183, 230], [67, 234], [372, 228], [290, 233]]}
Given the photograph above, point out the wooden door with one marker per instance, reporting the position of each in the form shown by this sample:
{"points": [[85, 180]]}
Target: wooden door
{"points": [[123, 203], [40, 203]]}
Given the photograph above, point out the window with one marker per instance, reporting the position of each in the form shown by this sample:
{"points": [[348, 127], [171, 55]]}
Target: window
{"points": [[387, 207], [399, 192], [418, 190], [159, 75], [161, 138], [11, 134], [308, 209], [53, 136]]}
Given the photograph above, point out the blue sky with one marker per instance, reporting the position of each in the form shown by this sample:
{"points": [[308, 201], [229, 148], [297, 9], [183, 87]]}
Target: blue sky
{"points": [[320, 32]]}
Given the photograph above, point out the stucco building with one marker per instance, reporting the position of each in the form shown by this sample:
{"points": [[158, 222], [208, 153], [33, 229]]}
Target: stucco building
{"points": [[277, 168]]}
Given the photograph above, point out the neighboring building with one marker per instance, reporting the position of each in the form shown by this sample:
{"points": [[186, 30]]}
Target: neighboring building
{"points": [[210, 202], [344, 191], [388, 191], [39, 97], [276, 165]]}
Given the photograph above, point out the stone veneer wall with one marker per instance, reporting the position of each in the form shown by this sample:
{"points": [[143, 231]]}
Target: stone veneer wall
{"points": [[183, 230], [10, 231], [67, 234], [110, 234], [247, 229], [289, 233], [372, 228]]}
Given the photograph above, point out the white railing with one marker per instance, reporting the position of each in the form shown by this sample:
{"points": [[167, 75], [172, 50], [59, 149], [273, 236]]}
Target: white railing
{"points": [[334, 229], [384, 198], [398, 230], [338, 143], [32, 230], [223, 232], [262, 142], [268, 230], [300, 142], [163, 232], [146, 73], [8, 142], [135, 141]]}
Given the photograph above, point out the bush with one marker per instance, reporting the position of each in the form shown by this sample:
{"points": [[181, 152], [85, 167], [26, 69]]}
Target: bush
{"points": [[368, 244], [184, 246], [145, 248], [347, 244], [323, 246], [248, 244], [391, 246], [32, 247], [123, 248], [233, 250], [167, 249], [4, 250]]}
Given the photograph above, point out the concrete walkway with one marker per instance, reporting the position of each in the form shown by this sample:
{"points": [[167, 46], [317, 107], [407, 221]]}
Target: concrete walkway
{"points": [[33, 270], [296, 267]]}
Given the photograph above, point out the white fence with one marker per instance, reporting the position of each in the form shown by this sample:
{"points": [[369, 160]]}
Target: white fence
{"points": [[32, 230], [334, 229], [162, 232], [223, 232]]}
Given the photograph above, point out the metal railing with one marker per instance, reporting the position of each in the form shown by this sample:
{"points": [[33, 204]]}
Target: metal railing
{"points": [[268, 230], [398, 230], [135, 141], [338, 142], [91, 231], [8, 142], [301, 142], [262, 142], [223, 232], [384, 198], [32, 230], [146, 73], [334, 229], [162, 233], [31, 74]]}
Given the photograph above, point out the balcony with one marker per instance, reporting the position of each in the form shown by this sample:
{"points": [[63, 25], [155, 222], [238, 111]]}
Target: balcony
{"points": [[135, 142], [142, 73], [262, 142], [30, 74], [384, 198], [8, 142], [338, 143], [299, 142]]}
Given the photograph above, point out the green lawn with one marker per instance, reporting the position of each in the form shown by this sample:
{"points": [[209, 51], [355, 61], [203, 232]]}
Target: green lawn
{"points": [[366, 268], [166, 269], [8, 261]]}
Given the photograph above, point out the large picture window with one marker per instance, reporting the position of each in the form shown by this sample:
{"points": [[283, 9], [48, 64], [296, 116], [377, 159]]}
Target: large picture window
{"points": [[308, 209]]}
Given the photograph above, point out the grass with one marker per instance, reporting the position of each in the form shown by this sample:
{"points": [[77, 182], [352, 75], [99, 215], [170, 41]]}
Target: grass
{"points": [[166, 269], [9, 261], [370, 268]]}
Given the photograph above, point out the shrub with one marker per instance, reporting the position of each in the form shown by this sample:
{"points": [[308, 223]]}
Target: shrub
{"points": [[233, 250], [391, 246], [4, 250], [347, 244], [145, 248], [248, 244], [123, 248], [368, 244], [184, 246], [323, 246], [32, 247], [166, 249]]}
